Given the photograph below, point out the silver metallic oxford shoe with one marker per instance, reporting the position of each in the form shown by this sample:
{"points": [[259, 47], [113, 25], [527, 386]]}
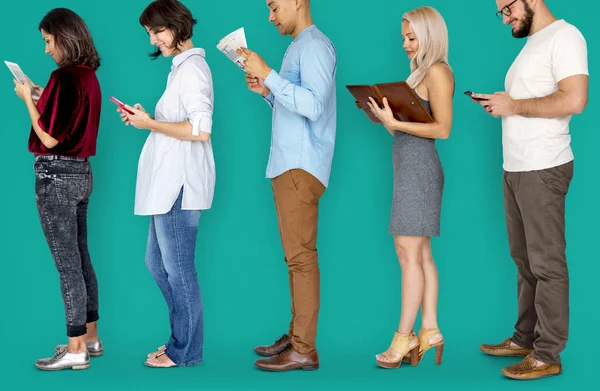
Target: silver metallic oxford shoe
{"points": [[95, 348], [64, 360]]}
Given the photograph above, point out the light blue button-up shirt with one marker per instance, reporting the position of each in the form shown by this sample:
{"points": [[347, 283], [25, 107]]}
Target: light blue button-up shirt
{"points": [[303, 99]]}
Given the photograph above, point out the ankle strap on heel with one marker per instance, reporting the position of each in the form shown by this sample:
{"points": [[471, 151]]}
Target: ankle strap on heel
{"points": [[425, 335]]}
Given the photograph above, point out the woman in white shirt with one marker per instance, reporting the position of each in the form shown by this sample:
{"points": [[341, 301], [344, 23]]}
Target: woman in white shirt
{"points": [[176, 176]]}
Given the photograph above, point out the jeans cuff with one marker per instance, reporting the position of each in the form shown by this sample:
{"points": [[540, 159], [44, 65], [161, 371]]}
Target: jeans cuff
{"points": [[92, 316], [76, 331], [172, 354]]}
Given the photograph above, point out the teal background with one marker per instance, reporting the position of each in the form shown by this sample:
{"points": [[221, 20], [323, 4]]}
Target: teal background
{"points": [[239, 256]]}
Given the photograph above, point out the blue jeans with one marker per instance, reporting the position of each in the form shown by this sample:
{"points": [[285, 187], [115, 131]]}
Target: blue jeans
{"points": [[170, 259]]}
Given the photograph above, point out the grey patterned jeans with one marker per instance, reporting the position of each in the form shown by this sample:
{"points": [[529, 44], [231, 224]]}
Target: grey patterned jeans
{"points": [[63, 187]]}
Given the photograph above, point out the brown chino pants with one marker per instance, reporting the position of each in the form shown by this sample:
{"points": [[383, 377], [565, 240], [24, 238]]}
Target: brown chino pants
{"points": [[297, 195], [534, 205]]}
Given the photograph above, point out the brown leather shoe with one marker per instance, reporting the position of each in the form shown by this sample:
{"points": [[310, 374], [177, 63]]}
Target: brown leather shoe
{"points": [[273, 350], [504, 349], [527, 370], [288, 360]]}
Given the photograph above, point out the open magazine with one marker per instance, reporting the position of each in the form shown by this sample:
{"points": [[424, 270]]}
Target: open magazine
{"points": [[232, 42]]}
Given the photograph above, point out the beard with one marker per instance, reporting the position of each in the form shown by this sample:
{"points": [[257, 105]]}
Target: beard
{"points": [[525, 23]]}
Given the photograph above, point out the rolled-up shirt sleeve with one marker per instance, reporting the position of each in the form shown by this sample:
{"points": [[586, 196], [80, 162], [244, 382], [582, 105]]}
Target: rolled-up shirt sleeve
{"points": [[197, 97]]}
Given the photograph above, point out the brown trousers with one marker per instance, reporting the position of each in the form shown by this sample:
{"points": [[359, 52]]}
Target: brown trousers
{"points": [[534, 205], [297, 195]]}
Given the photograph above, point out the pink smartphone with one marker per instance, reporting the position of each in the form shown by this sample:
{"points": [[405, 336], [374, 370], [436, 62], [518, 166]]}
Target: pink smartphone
{"points": [[120, 104]]}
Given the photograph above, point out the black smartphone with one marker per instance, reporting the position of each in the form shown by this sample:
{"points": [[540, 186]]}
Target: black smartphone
{"points": [[470, 93]]}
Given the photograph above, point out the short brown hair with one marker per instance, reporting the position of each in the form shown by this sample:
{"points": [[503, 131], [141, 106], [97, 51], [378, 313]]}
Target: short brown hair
{"points": [[170, 14], [72, 38]]}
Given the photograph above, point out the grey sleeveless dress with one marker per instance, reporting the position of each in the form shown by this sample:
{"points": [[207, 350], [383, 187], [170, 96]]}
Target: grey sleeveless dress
{"points": [[418, 185]]}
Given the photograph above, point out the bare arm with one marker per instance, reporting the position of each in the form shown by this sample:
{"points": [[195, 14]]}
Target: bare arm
{"points": [[440, 85], [48, 141], [179, 130], [570, 98]]}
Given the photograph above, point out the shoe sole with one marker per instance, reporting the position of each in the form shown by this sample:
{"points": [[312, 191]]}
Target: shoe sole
{"points": [[306, 368], [74, 367], [388, 365], [518, 377], [146, 363]]}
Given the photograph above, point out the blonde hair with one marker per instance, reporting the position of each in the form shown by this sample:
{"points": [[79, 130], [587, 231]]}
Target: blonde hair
{"points": [[431, 31]]}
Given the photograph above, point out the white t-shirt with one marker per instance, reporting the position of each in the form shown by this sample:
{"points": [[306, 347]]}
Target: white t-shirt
{"points": [[550, 55]]}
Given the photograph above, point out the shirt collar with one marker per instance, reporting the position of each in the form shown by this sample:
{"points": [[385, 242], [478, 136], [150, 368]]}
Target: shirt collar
{"points": [[180, 58]]}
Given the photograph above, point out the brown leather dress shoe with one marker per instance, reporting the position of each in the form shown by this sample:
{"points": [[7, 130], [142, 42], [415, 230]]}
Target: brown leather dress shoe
{"points": [[527, 370], [504, 349], [288, 360], [272, 350]]}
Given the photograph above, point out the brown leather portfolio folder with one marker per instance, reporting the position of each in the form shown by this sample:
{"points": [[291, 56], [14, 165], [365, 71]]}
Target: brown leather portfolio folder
{"points": [[403, 101]]}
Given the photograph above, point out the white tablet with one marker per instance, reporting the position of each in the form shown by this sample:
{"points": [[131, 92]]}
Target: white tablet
{"points": [[20, 76]]}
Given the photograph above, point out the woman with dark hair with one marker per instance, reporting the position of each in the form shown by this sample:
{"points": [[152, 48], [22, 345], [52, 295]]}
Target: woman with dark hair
{"points": [[63, 135], [176, 177]]}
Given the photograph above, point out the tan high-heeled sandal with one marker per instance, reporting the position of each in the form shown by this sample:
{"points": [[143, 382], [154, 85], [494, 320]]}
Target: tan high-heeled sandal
{"points": [[401, 345], [424, 337]]}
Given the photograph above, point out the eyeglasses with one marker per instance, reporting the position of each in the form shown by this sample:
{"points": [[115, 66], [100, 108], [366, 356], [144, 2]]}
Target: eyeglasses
{"points": [[505, 11]]}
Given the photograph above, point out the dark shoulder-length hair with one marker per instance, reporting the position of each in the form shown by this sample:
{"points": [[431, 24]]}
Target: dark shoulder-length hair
{"points": [[72, 37], [170, 14]]}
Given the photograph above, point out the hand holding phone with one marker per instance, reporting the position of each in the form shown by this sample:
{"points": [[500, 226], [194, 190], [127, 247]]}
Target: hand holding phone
{"points": [[471, 93], [121, 105]]}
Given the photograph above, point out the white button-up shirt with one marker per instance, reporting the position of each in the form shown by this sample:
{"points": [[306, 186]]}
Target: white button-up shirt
{"points": [[168, 164]]}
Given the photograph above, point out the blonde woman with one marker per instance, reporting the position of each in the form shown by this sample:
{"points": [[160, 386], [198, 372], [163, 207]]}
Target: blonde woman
{"points": [[418, 185]]}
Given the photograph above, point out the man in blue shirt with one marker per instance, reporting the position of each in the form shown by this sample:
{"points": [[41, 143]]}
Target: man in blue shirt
{"points": [[302, 96]]}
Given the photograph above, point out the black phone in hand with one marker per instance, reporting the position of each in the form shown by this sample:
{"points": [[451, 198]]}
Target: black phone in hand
{"points": [[470, 94]]}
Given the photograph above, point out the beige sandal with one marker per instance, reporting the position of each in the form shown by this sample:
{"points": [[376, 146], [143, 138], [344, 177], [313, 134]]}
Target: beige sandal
{"points": [[401, 346], [157, 352], [158, 364], [424, 336]]}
